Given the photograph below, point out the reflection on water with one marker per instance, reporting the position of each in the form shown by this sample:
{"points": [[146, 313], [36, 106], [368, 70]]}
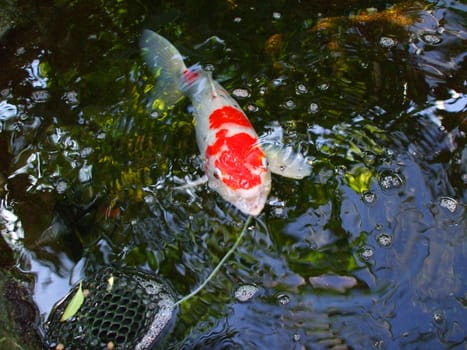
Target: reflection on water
{"points": [[368, 252]]}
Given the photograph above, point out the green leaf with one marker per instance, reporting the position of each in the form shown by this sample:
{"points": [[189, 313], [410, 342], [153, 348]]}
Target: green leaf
{"points": [[110, 281], [359, 179], [74, 305]]}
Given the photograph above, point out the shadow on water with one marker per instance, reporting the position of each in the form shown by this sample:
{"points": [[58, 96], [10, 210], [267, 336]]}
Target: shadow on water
{"points": [[368, 252]]}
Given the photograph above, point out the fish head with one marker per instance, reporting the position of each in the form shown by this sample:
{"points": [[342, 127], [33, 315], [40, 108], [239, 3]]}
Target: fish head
{"points": [[237, 169]]}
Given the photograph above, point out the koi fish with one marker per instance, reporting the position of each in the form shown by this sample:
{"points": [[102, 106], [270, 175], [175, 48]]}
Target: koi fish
{"points": [[236, 165]]}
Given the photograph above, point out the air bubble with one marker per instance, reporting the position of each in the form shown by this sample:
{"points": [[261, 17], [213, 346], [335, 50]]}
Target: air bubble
{"points": [[387, 42], [301, 89], [71, 97], [438, 317], [245, 292], [313, 108], [279, 81], [384, 240], [369, 197], [323, 87], [40, 96], [290, 104], [85, 173], [276, 15], [341, 170], [448, 203], [86, 152], [366, 253], [252, 108], [61, 186], [283, 299]]}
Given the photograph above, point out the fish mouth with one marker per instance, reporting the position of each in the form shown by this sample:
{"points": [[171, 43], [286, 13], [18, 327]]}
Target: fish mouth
{"points": [[252, 205]]}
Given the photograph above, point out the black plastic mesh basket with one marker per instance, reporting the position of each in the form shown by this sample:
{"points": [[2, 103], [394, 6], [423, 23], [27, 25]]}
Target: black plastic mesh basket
{"points": [[122, 309]]}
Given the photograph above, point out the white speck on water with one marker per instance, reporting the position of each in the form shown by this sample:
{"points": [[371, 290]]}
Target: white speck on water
{"points": [[276, 15], [85, 173], [7, 111]]}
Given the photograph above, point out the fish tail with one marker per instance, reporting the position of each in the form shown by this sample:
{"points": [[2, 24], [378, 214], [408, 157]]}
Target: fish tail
{"points": [[166, 62]]}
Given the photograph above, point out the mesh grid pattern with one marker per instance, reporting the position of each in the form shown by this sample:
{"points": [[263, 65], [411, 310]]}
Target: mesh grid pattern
{"points": [[126, 307]]}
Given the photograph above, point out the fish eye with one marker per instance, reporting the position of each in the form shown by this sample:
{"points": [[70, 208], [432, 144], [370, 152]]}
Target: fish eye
{"points": [[265, 162], [217, 174]]}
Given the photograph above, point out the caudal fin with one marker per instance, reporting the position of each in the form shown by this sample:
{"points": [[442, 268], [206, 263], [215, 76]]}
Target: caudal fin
{"points": [[167, 64]]}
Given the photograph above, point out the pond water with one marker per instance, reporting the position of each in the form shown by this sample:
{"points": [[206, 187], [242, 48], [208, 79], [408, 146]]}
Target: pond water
{"points": [[367, 253]]}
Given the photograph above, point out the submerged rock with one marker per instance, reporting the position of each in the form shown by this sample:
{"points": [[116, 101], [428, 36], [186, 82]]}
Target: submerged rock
{"points": [[333, 282]]}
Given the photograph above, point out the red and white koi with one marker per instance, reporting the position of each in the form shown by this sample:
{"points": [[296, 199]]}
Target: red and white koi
{"points": [[236, 165]]}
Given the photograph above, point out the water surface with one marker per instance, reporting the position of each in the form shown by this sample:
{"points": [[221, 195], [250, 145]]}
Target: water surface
{"points": [[368, 252]]}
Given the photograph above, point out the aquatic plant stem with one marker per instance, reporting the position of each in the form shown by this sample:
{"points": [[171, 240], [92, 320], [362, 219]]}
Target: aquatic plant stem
{"points": [[219, 265]]}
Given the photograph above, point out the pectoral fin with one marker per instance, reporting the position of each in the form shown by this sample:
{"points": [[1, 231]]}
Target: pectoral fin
{"points": [[192, 183], [284, 161]]}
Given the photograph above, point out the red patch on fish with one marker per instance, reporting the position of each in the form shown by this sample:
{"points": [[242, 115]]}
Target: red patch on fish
{"points": [[238, 158], [226, 115]]}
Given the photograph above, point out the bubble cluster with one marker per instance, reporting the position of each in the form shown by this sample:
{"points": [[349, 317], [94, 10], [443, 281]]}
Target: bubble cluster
{"points": [[448, 203], [389, 180], [245, 292], [241, 93], [431, 38]]}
